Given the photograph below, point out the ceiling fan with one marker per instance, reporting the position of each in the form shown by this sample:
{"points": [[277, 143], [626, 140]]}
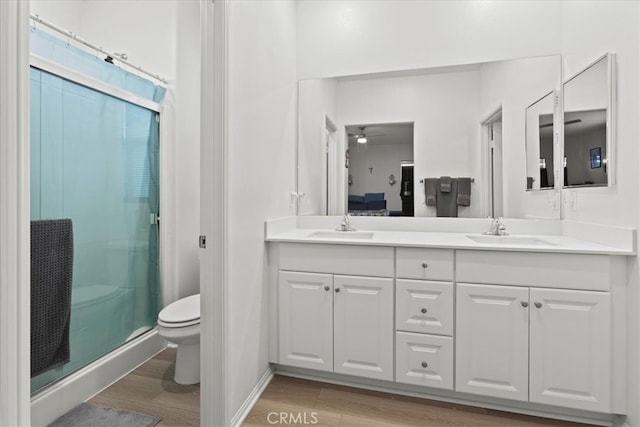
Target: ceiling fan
{"points": [[361, 137]]}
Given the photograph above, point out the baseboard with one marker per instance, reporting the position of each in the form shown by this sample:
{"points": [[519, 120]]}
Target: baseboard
{"points": [[253, 397], [64, 395]]}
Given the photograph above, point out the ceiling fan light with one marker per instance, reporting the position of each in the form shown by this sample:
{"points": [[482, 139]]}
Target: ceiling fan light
{"points": [[362, 140]]}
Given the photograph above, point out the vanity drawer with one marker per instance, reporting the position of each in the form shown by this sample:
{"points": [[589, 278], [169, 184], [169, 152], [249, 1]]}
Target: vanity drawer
{"points": [[337, 259], [425, 360], [424, 306], [425, 264], [540, 269]]}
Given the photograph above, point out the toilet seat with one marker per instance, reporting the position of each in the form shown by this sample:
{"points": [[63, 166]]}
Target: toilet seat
{"points": [[182, 313]]}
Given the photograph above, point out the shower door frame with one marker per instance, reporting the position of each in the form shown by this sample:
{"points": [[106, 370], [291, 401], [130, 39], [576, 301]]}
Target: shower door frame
{"points": [[91, 83], [14, 216]]}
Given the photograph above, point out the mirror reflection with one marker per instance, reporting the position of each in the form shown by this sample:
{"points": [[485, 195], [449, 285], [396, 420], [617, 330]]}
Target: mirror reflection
{"points": [[539, 143], [467, 124], [380, 170], [586, 135]]}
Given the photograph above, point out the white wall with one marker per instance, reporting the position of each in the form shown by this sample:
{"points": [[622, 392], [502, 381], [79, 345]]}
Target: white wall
{"points": [[353, 37], [316, 102], [261, 133], [163, 37]]}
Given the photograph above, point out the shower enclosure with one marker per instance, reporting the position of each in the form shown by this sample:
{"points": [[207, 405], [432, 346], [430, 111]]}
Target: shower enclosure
{"points": [[94, 159]]}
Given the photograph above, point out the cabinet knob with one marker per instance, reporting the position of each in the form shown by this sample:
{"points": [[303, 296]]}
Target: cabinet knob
{"points": [[424, 364], [424, 264], [423, 311], [524, 304], [326, 288], [537, 304], [337, 289]]}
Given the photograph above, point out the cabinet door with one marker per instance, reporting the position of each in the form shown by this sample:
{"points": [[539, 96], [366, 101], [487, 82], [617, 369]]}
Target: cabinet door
{"points": [[570, 348], [306, 320], [492, 335], [363, 332]]}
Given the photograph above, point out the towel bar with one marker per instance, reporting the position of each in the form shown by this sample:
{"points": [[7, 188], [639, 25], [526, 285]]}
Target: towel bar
{"points": [[422, 180]]}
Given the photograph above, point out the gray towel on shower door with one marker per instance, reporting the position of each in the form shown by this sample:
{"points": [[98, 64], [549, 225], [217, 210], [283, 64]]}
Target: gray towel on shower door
{"points": [[430, 190], [51, 274], [464, 192], [447, 202]]}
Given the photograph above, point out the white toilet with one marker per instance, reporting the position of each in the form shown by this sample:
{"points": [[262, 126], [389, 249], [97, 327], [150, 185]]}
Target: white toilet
{"points": [[179, 323]]}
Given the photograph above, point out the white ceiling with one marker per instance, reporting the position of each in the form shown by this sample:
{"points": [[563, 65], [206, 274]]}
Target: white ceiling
{"points": [[383, 134]]}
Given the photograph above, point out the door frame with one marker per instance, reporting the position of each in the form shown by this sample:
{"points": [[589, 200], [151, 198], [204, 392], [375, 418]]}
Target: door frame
{"points": [[214, 403], [330, 167], [486, 165], [15, 279]]}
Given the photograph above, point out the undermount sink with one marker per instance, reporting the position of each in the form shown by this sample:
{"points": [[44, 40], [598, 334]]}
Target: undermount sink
{"points": [[363, 235], [510, 240]]}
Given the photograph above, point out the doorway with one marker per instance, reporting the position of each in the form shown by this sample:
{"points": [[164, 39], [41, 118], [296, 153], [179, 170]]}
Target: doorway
{"points": [[493, 163], [380, 169]]}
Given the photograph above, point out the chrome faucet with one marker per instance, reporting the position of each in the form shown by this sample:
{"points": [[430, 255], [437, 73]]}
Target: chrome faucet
{"points": [[497, 228], [345, 224]]}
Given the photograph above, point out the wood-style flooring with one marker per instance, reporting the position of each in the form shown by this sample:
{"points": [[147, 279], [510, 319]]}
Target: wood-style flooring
{"points": [[332, 405], [150, 390]]}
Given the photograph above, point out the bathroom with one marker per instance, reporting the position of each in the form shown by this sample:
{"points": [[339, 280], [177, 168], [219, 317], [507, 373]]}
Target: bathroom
{"points": [[269, 47]]}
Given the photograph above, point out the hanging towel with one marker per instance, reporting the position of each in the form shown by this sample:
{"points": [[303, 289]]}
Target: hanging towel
{"points": [[464, 192], [446, 201], [51, 273], [430, 190], [529, 182], [445, 184]]}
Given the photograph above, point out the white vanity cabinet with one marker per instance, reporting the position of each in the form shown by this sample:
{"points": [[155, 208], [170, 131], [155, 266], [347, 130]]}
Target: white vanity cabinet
{"points": [[539, 329], [538, 344], [339, 323]]}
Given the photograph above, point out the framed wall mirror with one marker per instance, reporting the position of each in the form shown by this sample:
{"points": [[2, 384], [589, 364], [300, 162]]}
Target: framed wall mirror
{"points": [[539, 140], [467, 123], [588, 127]]}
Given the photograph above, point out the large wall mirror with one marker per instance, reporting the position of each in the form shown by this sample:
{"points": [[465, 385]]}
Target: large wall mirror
{"points": [[446, 141], [588, 142]]}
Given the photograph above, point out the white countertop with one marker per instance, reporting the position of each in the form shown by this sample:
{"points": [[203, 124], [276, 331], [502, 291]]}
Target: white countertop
{"points": [[448, 240]]}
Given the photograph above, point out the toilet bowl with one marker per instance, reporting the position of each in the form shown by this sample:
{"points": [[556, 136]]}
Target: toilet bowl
{"points": [[179, 323]]}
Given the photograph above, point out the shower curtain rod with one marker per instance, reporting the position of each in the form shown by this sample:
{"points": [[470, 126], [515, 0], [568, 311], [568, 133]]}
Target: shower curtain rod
{"points": [[75, 37]]}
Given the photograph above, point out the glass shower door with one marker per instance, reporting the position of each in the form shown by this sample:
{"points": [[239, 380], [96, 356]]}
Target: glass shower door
{"points": [[94, 159]]}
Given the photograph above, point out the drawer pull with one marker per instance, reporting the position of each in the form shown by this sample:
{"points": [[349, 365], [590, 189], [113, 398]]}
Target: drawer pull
{"points": [[337, 289], [425, 364], [537, 304], [524, 304], [423, 311], [424, 264], [326, 288]]}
